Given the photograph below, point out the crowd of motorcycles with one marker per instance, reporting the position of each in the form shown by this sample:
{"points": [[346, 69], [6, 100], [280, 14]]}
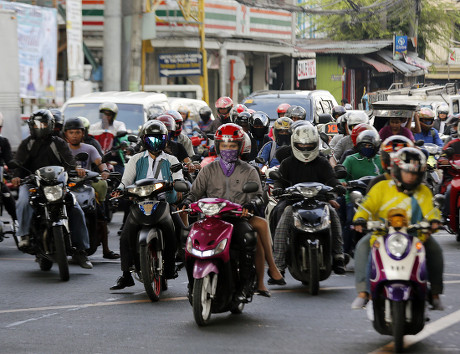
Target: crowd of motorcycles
{"points": [[398, 284]]}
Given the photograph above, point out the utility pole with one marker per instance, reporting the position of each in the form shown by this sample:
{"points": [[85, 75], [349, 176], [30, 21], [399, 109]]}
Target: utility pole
{"points": [[112, 46], [136, 46]]}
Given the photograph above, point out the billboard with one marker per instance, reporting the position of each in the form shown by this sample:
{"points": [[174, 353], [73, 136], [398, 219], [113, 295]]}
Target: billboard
{"points": [[37, 44]]}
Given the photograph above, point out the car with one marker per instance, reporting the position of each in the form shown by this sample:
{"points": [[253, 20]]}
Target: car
{"points": [[192, 104], [133, 107], [315, 102]]}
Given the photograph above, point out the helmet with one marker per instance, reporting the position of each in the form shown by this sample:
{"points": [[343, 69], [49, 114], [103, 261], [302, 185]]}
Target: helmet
{"points": [[282, 108], [223, 107], [337, 111], [259, 124], [426, 116], [58, 117], [74, 123], [355, 118], [366, 138], [169, 123], [86, 122], [443, 109], [243, 118], [41, 124], [110, 108], [411, 160], [296, 124], [297, 113], [178, 119], [154, 111], [247, 147], [283, 123], [239, 108], [229, 133], [348, 107], [305, 143], [154, 136], [390, 146], [205, 113], [358, 129], [184, 110]]}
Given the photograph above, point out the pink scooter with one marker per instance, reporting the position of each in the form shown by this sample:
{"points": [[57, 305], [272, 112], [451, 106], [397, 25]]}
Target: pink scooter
{"points": [[213, 258]]}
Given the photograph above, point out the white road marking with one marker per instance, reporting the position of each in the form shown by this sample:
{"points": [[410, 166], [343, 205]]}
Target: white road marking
{"points": [[30, 319]]}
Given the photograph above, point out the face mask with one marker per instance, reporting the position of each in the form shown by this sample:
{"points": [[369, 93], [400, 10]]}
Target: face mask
{"points": [[283, 139], [368, 152], [229, 156]]}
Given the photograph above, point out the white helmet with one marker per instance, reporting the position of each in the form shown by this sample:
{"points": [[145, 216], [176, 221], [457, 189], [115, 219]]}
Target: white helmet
{"points": [[247, 144], [355, 118], [305, 142]]}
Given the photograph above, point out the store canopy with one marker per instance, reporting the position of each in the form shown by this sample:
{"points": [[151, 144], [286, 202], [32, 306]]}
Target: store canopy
{"points": [[401, 66], [380, 67]]}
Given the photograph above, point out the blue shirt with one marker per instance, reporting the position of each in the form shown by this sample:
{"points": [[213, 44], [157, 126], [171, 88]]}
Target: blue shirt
{"points": [[430, 136]]}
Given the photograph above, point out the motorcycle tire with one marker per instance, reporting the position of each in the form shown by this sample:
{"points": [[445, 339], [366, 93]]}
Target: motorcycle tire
{"points": [[61, 253], [398, 310], [202, 291], [149, 270], [313, 274], [44, 263]]}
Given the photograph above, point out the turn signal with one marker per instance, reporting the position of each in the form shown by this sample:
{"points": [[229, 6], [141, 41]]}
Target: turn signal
{"points": [[72, 184], [418, 246], [32, 190]]}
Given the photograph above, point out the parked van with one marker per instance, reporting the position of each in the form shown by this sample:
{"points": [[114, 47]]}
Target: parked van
{"points": [[193, 105], [132, 106]]}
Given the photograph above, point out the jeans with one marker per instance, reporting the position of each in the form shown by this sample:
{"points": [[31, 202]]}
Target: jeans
{"points": [[77, 225], [434, 264]]}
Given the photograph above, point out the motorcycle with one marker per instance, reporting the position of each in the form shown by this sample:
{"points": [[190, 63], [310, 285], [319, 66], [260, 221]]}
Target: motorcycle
{"points": [[212, 258], [309, 241], [434, 175], [398, 276], [12, 225], [49, 231], [150, 213]]}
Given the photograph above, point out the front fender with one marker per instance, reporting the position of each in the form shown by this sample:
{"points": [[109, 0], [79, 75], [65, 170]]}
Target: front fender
{"points": [[398, 291], [202, 268], [151, 236]]}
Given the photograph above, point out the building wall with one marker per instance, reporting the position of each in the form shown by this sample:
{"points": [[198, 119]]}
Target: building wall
{"points": [[329, 75]]}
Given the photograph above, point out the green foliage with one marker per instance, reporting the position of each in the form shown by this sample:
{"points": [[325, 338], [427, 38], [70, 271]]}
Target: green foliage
{"points": [[435, 24]]}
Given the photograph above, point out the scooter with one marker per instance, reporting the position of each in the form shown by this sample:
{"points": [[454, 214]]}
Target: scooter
{"points": [[212, 258]]}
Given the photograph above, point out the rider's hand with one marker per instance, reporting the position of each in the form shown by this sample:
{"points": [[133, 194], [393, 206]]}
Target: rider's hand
{"points": [[191, 167], [277, 192], [16, 181], [116, 193], [245, 213], [80, 172], [358, 228], [334, 204], [105, 174]]}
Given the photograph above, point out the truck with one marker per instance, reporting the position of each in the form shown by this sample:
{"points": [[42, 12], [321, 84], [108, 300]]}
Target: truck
{"points": [[10, 102]]}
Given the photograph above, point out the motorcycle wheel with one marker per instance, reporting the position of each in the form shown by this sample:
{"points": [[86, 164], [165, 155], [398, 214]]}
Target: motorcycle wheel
{"points": [[61, 253], [150, 277], [398, 314], [202, 291], [45, 264], [313, 275]]}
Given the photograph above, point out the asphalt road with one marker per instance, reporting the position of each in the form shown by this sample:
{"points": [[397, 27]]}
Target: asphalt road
{"points": [[40, 314]]}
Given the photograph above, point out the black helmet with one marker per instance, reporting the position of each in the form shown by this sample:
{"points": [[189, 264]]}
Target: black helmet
{"points": [[205, 113], [297, 113], [337, 111], [408, 160], [74, 123], [365, 138], [154, 136], [41, 124], [58, 117], [243, 119], [259, 124]]}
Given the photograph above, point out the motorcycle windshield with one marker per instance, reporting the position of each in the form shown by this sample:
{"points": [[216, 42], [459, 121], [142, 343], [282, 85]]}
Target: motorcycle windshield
{"points": [[52, 174], [313, 217]]}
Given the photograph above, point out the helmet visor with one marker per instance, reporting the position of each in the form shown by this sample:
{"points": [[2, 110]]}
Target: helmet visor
{"points": [[155, 142], [305, 147], [39, 125]]}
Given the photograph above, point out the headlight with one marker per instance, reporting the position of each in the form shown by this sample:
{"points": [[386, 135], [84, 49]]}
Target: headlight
{"points": [[53, 193], [205, 254], [309, 192], [397, 244], [209, 209], [300, 224], [144, 191]]}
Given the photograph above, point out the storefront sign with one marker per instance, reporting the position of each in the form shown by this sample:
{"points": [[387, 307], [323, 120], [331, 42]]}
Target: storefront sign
{"points": [[306, 69]]}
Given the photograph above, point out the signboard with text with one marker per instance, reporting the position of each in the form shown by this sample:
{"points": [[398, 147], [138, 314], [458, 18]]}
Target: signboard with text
{"points": [[306, 69], [400, 46], [180, 64]]}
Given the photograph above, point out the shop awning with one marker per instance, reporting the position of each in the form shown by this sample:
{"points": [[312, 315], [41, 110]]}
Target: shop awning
{"points": [[380, 67], [400, 66]]}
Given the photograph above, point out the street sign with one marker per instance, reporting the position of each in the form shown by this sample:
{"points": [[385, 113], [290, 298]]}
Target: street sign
{"points": [[306, 69], [400, 46], [180, 64]]}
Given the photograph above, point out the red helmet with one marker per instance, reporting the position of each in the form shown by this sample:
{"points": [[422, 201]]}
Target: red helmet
{"points": [[229, 133], [223, 107], [359, 129], [169, 122], [390, 146], [241, 108], [282, 108], [178, 119]]}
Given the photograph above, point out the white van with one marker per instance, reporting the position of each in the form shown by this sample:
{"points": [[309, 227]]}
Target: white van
{"points": [[132, 106], [193, 105]]}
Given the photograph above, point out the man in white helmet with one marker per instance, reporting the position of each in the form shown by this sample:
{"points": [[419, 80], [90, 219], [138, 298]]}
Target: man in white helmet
{"points": [[352, 120], [306, 165]]}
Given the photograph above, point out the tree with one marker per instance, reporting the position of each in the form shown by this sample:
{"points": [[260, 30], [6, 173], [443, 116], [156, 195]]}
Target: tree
{"points": [[433, 20]]}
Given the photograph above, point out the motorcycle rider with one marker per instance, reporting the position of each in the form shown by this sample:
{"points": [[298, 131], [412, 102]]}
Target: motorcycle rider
{"points": [[179, 135], [58, 122], [297, 113], [259, 124], [5, 157], [239, 108], [223, 106], [41, 149], [189, 126], [281, 109], [74, 133], [344, 144], [305, 165], [224, 178], [395, 127], [205, 123], [108, 115], [440, 122], [338, 115], [357, 129], [282, 137], [405, 190], [89, 139], [428, 133], [151, 163]]}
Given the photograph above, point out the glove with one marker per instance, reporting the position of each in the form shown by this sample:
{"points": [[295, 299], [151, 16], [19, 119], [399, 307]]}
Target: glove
{"points": [[277, 192], [250, 206], [185, 203]]}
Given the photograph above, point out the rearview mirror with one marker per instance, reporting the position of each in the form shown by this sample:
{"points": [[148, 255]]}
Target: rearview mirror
{"points": [[181, 186], [250, 187], [82, 156]]}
